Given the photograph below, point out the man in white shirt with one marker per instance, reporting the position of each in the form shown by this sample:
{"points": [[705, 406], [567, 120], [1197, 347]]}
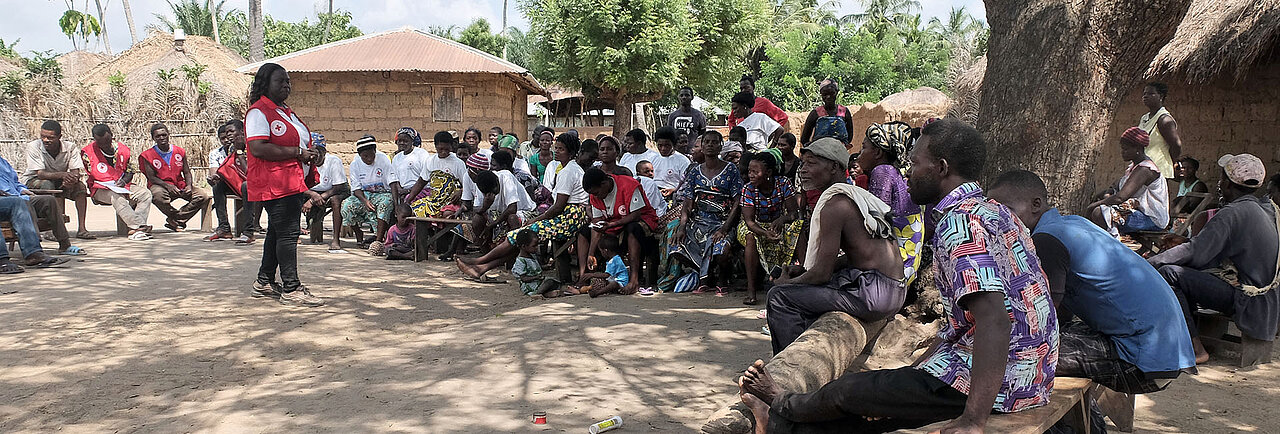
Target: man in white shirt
{"points": [[333, 190], [635, 141], [56, 164], [669, 166], [504, 205], [761, 129], [220, 190], [408, 163]]}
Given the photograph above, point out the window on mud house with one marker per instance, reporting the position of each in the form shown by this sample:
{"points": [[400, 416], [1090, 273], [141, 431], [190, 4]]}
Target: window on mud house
{"points": [[447, 103]]}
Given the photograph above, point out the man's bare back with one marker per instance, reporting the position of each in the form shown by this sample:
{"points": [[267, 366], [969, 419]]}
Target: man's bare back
{"points": [[841, 217]]}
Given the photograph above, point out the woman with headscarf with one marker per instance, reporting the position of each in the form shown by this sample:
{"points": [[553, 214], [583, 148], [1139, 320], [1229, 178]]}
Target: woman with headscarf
{"points": [[769, 228], [882, 159], [370, 202], [710, 194], [408, 164], [544, 156], [1141, 202], [279, 165]]}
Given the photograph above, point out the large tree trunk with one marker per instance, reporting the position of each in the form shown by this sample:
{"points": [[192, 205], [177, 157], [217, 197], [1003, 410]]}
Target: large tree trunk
{"points": [[128, 16], [102, 22], [623, 109], [256, 32], [1055, 73]]}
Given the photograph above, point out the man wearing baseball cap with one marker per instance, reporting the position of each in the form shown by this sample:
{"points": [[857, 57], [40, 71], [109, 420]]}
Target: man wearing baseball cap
{"points": [[1242, 234], [867, 282]]}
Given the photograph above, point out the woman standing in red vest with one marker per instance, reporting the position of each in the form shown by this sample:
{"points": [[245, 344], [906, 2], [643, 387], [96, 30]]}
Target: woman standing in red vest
{"points": [[279, 160]]}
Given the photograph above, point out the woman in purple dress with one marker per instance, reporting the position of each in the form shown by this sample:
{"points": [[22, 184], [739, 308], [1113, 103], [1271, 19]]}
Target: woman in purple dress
{"points": [[883, 157]]}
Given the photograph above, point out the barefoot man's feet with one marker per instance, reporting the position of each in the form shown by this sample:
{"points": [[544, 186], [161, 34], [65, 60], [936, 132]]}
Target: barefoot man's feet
{"points": [[759, 409], [757, 381]]}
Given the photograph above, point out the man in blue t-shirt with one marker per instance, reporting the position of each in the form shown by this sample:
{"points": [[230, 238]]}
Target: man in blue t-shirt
{"points": [[1131, 336]]}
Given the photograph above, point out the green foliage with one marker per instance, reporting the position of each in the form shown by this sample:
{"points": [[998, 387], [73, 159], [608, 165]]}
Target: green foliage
{"points": [[203, 88], [477, 35], [11, 85], [116, 80], [79, 27], [642, 48], [193, 71], [520, 48], [44, 64], [166, 75], [283, 37], [195, 18], [867, 66], [7, 50], [443, 32]]}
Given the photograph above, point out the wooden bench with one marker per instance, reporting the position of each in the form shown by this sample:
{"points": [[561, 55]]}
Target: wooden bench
{"points": [[1215, 333], [1066, 403], [1149, 240], [422, 225]]}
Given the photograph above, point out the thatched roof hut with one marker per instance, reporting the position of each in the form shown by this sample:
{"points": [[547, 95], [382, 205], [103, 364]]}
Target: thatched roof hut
{"points": [[76, 63], [1223, 70], [140, 65]]}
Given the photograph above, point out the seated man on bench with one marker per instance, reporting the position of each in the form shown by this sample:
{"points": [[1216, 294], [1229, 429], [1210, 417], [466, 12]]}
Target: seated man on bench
{"points": [[111, 182], [169, 175], [41, 207], [1131, 336], [56, 164], [868, 282], [1230, 266], [998, 347], [619, 210]]}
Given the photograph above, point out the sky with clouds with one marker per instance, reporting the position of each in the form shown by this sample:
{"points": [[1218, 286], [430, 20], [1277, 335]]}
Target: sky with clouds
{"points": [[35, 22]]}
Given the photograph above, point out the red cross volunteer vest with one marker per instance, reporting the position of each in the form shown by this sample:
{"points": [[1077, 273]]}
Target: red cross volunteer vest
{"points": [[624, 187], [170, 172], [95, 163], [270, 180]]}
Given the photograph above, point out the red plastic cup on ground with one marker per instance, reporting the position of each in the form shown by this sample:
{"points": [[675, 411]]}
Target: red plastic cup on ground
{"points": [[540, 418]]}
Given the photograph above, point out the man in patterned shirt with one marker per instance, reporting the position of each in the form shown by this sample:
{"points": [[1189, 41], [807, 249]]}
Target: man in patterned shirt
{"points": [[999, 347]]}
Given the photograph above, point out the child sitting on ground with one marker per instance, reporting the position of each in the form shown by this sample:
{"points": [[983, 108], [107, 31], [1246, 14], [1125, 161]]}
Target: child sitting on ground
{"points": [[614, 277], [400, 237], [529, 271]]}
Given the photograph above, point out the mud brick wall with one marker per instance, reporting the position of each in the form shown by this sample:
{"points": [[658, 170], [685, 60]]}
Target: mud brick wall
{"points": [[1225, 116], [347, 105]]}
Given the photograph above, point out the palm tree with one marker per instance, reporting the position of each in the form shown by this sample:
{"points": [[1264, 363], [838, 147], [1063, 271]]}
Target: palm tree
{"points": [[106, 42], [196, 17], [960, 30], [128, 16], [881, 12], [78, 27]]}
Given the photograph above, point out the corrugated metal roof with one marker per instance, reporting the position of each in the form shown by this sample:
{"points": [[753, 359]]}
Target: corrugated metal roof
{"points": [[403, 49]]}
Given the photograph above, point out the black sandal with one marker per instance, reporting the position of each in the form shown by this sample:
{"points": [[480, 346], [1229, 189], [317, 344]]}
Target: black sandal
{"points": [[52, 261], [11, 268]]}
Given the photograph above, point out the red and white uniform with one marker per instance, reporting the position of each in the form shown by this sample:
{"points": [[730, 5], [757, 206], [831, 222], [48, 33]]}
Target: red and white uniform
{"points": [[171, 171], [98, 168], [270, 180], [627, 197]]}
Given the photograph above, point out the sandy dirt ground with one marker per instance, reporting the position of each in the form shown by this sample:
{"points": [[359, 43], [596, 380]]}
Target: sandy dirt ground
{"points": [[162, 336]]}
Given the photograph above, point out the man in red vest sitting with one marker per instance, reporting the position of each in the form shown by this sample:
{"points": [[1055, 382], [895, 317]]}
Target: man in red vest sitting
{"points": [[169, 176], [621, 210]]}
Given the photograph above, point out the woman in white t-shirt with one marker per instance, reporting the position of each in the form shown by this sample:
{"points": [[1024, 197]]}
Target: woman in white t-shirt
{"points": [[370, 201], [562, 221]]}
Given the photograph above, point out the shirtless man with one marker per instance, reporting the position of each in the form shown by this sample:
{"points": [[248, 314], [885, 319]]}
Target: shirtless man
{"points": [[867, 282]]}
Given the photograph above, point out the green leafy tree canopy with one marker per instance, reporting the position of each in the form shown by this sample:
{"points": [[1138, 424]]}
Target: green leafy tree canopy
{"points": [[477, 35], [283, 37]]}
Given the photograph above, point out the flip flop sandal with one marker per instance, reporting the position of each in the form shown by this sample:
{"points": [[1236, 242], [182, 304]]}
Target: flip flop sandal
{"points": [[51, 262], [702, 289], [721, 291], [750, 301], [762, 314], [647, 292], [72, 251], [486, 279], [11, 268], [86, 235], [339, 251]]}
